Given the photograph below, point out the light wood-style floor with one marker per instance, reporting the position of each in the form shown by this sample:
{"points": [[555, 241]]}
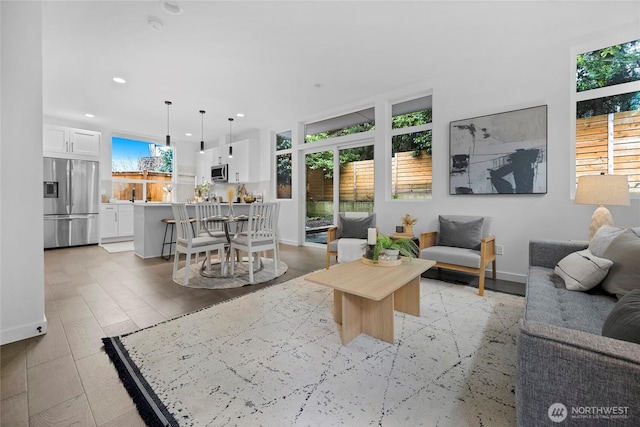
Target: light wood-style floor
{"points": [[64, 377]]}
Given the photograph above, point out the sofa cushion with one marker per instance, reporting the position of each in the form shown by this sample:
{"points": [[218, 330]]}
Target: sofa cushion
{"points": [[603, 237], [449, 255], [624, 274], [582, 270], [354, 228], [623, 323], [549, 301], [460, 234]]}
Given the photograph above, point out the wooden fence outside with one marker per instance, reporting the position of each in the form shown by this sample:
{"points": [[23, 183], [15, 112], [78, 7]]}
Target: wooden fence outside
{"points": [[610, 143], [409, 175], [155, 190]]}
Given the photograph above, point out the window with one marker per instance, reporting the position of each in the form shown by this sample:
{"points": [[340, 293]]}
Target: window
{"points": [[142, 166], [283, 165], [356, 122], [411, 171], [607, 95]]}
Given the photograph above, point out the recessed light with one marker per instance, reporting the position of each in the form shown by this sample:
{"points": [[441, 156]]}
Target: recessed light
{"points": [[239, 115], [188, 134], [89, 115], [172, 7], [119, 80]]}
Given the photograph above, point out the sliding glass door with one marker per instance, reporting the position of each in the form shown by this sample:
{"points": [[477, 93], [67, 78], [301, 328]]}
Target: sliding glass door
{"points": [[337, 180]]}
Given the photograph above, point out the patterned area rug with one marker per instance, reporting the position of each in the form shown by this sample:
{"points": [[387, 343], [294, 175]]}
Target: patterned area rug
{"points": [[274, 358], [240, 276]]}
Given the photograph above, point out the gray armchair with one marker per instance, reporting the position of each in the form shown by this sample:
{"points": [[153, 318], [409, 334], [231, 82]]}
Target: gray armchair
{"points": [[462, 243], [351, 225]]}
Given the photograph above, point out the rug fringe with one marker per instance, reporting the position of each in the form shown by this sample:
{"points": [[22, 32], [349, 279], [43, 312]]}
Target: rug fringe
{"points": [[149, 406]]}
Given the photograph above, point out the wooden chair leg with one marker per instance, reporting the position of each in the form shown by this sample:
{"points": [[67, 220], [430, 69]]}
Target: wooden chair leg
{"points": [[481, 282], [494, 269], [328, 261]]}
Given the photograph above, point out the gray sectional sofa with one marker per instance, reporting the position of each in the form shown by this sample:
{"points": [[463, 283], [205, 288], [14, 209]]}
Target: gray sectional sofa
{"points": [[567, 372]]}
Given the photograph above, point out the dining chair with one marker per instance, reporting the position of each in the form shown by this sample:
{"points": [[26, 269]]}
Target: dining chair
{"points": [[189, 244], [207, 210], [261, 235]]}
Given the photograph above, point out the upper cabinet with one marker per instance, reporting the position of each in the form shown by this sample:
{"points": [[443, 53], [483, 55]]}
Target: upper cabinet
{"points": [[244, 166], [59, 141]]}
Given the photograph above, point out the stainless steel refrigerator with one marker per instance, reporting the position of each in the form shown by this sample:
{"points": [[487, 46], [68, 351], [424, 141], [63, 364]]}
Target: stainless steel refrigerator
{"points": [[71, 202]]}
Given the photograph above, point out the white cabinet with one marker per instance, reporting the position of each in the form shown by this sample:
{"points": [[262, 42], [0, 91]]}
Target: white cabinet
{"points": [[59, 141], [116, 221], [203, 165], [244, 166]]}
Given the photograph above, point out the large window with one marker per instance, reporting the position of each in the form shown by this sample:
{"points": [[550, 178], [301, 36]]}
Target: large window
{"points": [[411, 172], [141, 170], [347, 124], [608, 112]]}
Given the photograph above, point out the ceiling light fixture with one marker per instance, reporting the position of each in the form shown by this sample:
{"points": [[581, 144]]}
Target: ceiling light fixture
{"points": [[202, 132], [119, 80], [230, 140], [239, 115], [89, 115], [172, 7], [168, 142]]}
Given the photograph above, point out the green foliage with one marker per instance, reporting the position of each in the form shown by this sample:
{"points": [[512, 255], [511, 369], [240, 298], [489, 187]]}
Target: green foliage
{"points": [[166, 164], [283, 169], [324, 159], [607, 67], [363, 127], [406, 247], [417, 141]]}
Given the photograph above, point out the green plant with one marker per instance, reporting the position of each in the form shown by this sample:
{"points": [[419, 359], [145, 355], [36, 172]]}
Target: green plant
{"points": [[406, 247]]}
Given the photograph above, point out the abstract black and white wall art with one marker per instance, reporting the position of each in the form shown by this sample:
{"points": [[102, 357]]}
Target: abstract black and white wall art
{"points": [[504, 153]]}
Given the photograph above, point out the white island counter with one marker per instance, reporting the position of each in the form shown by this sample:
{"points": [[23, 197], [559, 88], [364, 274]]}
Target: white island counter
{"points": [[148, 228]]}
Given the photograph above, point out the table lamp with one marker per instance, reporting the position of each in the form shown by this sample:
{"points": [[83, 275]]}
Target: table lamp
{"points": [[602, 190]]}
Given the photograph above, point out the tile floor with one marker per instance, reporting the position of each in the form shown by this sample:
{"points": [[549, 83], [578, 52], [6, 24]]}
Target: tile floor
{"points": [[64, 377]]}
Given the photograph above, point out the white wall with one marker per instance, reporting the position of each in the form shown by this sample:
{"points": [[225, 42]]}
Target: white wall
{"points": [[498, 81], [21, 227]]}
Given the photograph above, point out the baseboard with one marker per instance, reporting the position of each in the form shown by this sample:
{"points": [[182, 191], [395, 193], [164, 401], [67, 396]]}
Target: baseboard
{"points": [[23, 332]]}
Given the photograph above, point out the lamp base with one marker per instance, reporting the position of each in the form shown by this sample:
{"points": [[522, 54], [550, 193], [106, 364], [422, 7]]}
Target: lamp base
{"points": [[601, 216]]}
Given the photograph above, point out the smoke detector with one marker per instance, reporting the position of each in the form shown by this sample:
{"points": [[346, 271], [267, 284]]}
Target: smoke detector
{"points": [[172, 7]]}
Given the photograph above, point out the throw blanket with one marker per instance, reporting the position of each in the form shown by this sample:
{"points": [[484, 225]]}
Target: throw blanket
{"points": [[350, 249]]}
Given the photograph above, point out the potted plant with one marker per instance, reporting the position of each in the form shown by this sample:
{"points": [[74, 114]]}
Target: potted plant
{"points": [[404, 247]]}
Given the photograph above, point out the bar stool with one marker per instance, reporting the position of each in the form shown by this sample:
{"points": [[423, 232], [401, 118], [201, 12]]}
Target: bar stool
{"points": [[171, 222]]}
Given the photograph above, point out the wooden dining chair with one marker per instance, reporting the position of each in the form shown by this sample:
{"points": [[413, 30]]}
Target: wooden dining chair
{"points": [[189, 244], [261, 235]]}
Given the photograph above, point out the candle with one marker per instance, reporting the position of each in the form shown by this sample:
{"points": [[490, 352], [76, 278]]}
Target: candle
{"points": [[371, 236]]}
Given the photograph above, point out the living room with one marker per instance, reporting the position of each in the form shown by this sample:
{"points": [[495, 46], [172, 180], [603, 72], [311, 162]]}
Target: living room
{"points": [[520, 58]]}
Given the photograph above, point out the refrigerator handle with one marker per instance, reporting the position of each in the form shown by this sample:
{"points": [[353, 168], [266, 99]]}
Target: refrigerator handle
{"points": [[69, 188]]}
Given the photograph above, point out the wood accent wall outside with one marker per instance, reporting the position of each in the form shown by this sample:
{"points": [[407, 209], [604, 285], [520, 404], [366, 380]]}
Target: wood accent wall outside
{"points": [[592, 146], [414, 175]]}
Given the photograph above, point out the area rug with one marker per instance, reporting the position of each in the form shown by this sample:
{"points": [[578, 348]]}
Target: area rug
{"points": [[118, 246], [240, 276], [274, 358]]}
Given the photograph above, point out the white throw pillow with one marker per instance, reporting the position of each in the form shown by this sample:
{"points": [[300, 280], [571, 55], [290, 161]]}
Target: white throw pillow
{"points": [[582, 270]]}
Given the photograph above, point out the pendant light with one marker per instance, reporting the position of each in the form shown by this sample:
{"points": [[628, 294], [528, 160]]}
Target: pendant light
{"points": [[202, 133], [230, 147], [168, 141]]}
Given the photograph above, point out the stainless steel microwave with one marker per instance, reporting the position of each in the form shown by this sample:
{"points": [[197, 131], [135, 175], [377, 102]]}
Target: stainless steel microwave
{"points": [[219, 173]]}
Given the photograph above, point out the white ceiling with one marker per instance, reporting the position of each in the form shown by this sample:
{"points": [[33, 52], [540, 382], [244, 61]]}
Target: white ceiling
{"points": [[265, 58]]}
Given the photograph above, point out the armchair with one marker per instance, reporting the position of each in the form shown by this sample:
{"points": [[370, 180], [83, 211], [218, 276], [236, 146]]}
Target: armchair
{"points": [[462, 243], [352, 230]]}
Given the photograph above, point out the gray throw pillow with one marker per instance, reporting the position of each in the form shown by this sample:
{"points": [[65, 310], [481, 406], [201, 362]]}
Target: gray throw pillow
{"points": [[354, 228], [460, 234], [603, 237], [623, 323], [582, 270], [624, 274]]}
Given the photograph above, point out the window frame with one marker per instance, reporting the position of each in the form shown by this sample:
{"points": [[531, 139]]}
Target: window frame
{"points": [[404, 131]]}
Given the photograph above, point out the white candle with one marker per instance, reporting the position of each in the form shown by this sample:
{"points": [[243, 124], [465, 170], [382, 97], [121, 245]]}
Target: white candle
{"points": [[371, 236]]}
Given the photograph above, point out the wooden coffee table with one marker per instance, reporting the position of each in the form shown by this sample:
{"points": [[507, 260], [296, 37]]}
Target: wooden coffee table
{"points": [[364, 296]]}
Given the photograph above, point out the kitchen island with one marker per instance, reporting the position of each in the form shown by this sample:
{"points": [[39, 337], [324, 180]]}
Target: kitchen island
{"points": [[148, 228]]}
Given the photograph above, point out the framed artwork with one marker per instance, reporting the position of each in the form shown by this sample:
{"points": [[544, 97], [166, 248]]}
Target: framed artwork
{"points": [[504, 153]]}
